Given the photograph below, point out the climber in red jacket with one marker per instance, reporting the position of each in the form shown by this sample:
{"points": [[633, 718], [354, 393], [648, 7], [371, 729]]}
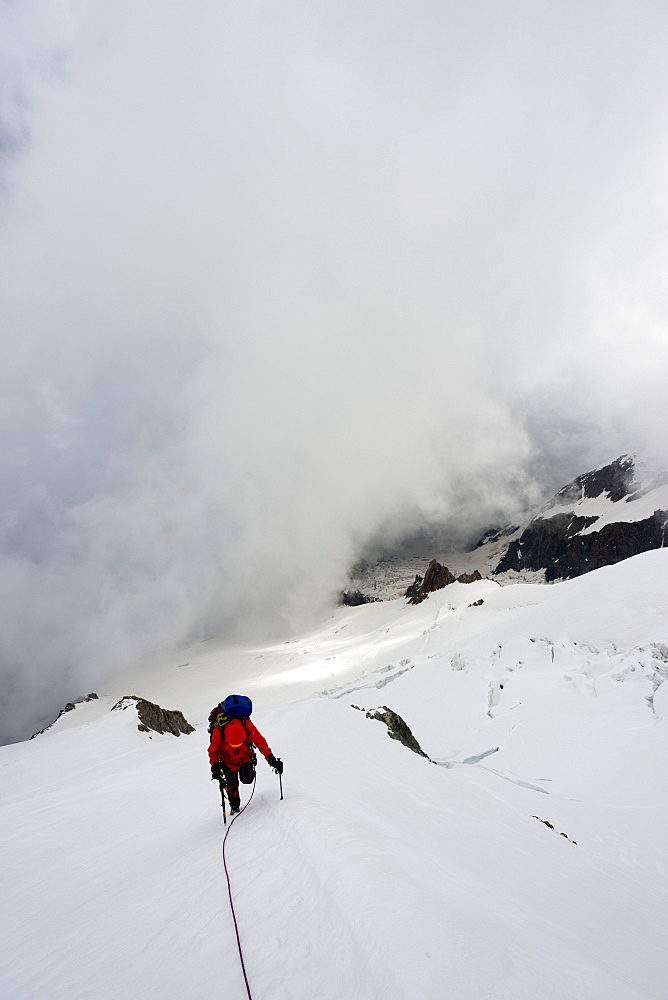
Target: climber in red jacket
{"points": [[231, 751]]}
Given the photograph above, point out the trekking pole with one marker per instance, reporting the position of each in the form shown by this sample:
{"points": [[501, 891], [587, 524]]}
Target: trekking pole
{"points": [[280, 782], [222, 796]]}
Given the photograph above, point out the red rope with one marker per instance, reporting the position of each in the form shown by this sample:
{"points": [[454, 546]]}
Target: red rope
{"points": [[229, 890]]}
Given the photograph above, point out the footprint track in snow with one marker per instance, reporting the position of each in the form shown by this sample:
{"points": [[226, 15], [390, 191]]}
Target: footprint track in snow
{"points": [[291, 918]]}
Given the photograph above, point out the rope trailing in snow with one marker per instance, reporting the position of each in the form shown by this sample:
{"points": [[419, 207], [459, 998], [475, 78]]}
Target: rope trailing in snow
{"points": [[229, 889]]}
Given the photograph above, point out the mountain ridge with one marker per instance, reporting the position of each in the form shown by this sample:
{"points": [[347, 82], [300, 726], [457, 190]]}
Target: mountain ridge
{"points": [[598, 519], [601, 517]]}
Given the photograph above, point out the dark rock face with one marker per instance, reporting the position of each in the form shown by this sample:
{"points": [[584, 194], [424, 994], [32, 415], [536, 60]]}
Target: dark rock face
{"points": [[354, 598], [396, 728], [615, 479], [555, 545], [543, 542], [435, 578], [152, 717]]}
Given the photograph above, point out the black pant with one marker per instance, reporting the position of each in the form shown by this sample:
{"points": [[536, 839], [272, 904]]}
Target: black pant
{"points": [[231, 778]]}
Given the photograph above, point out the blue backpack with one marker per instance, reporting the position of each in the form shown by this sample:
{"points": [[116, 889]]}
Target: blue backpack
{"points": [[238, 706], [235, 706]]}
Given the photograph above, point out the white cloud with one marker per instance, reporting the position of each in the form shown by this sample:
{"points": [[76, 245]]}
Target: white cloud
{"points": [[277, 278]]}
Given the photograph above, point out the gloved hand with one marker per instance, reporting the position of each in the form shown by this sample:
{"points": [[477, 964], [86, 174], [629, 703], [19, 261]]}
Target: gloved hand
{"points": [[215, 771], [276, 763]]}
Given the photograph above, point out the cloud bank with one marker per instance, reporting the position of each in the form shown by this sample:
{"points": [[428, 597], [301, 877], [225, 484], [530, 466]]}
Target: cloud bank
{"points": [[279, 280]]}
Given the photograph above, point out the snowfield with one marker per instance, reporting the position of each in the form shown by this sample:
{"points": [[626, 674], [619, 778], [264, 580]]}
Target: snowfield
{"points": [[525, 861]]}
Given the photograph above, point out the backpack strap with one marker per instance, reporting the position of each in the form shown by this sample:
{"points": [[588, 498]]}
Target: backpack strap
{"points": [[219, 720]]}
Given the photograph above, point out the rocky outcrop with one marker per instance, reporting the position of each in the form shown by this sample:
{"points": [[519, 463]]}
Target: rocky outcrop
{"points": [[355, 598], [152, 717], [550, 826], [435, 578], [396, 728]]}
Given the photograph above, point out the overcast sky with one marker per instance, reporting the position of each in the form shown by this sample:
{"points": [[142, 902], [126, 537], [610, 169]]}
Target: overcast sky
{"points": [[279, 277]]}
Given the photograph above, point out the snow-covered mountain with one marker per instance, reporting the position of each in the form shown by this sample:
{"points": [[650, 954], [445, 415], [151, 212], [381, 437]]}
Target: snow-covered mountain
{"points": [[526, 858], [602, 517], [611, 513]]}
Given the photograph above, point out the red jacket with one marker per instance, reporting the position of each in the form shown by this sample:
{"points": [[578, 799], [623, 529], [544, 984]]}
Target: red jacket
{"points": [[231, 756]]}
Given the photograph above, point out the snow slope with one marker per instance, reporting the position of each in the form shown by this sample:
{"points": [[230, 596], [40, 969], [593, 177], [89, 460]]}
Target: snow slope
{"points": [[381, 874]]}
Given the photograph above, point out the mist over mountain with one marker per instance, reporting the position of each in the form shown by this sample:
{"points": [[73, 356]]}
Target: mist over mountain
{"points": [[281, 284]]}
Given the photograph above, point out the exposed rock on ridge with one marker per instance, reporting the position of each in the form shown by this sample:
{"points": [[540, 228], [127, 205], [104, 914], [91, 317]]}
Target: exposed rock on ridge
{"points": [[71, 705], [615, 479], [396, 728], [355, 598], [152, 717], [435, 578]]}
